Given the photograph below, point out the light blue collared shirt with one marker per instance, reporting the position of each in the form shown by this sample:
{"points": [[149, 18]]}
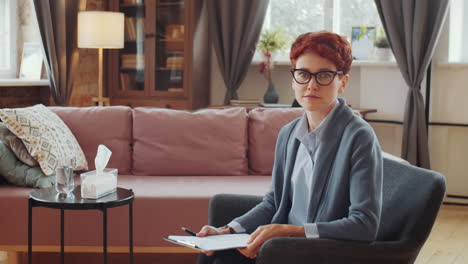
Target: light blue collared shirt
{"points": [[301, 179]]}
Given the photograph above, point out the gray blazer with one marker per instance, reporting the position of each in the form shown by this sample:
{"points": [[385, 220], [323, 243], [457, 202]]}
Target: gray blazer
{"points": [[346, 199]]}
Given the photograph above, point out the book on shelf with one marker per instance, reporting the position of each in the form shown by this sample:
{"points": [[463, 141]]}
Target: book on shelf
{"points": [[276, 105], [131, 2], [123, 85], [174, 32], [246, 102], [171, 1], [132, 61], [127, 81], [175, 89], [175, 62], [134, 28]]}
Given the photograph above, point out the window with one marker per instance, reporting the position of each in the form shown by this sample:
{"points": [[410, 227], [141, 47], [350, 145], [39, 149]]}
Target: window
{"points": [[8, 45], [458, 31], [339, 16]]}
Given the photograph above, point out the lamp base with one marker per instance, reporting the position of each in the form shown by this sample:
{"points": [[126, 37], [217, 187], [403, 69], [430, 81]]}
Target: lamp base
{"points": [[104, 101]]}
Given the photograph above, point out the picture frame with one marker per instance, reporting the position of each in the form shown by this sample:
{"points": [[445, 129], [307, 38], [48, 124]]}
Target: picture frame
{"points": [[31, 61], [362, 41]]}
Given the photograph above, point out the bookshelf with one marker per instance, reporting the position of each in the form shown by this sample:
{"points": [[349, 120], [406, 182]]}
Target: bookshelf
{"points": [[166, 41]]}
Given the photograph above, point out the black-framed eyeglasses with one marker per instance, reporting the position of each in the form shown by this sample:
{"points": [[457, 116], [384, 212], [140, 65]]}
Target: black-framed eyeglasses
{"points": [[321, 77]]}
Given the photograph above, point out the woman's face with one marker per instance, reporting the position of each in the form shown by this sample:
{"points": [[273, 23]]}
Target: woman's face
{"points": [[313, 96]]}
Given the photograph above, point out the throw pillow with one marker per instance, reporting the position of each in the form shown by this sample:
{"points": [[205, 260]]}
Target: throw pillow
{"points": [[45, 135], [17, 146], [18, 173]]}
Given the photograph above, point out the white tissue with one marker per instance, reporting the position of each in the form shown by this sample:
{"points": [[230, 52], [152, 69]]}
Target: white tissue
{"points": [[102, 181], [102, 158]]}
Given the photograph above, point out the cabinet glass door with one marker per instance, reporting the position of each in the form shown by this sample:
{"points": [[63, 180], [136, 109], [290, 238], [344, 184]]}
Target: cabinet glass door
{"points": [[131, 58], [169, 52]]}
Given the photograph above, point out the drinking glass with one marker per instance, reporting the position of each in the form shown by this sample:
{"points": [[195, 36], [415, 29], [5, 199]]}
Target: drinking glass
{"points": [[65, 182]]}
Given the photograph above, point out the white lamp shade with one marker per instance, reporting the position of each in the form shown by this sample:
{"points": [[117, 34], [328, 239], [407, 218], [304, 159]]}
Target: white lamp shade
{"points": [[100, 29]]}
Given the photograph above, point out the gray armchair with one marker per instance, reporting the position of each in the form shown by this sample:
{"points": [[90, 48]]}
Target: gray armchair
{"points": [[411, 200]]}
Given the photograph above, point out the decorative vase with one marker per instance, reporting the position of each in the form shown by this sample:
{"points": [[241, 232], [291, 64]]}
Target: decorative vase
{"points": [[270, 97]]}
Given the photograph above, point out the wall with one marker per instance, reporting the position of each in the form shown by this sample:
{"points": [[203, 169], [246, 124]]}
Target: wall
{"points": [[449, 143], [23, 96]]}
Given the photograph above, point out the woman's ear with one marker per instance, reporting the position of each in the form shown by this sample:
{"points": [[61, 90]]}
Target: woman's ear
{"points": [[344, 83]]}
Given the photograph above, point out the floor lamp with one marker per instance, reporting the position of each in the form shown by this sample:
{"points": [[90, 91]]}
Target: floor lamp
{"points": [[101, 30]]}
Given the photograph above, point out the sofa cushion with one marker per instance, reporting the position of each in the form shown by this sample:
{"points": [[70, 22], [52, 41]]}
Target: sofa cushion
{"points": [[17, 146], [204, 142], [45, 136], [110, 126], [264, 126]]}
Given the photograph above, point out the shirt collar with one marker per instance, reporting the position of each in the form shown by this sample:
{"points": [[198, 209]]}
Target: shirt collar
{"points": [[303, 126]]}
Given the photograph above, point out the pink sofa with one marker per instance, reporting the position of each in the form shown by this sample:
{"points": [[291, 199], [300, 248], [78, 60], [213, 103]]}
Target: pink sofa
{"points": [[174, 161]]}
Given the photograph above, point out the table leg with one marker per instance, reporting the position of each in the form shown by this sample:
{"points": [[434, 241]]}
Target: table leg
{"points": [[30, 231], [104, 230], [62, 236], [130, 228]]}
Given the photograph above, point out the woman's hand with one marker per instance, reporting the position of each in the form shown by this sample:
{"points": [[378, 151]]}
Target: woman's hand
{"points": [[263, 233], [212, 231]]}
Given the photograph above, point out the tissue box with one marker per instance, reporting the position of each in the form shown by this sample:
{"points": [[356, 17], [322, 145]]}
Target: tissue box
{"points": [[95, 187]]}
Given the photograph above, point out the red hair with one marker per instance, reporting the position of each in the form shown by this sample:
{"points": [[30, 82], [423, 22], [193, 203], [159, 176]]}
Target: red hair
{"points": [[327, 45]]}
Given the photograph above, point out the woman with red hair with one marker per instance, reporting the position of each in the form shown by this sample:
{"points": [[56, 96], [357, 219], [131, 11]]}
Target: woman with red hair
{"points": [[327, 177]]}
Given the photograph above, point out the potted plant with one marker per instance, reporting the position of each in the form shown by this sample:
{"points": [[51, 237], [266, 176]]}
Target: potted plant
{"points": [[271, 41], [381, 43], [382, 49]]}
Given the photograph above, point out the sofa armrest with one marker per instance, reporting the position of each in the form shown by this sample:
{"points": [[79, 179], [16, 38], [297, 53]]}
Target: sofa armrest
{"points": [[225, 207], [303, 250]]}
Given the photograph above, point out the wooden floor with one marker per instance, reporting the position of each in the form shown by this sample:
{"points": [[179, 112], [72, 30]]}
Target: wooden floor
{"points": [[447, 244]]}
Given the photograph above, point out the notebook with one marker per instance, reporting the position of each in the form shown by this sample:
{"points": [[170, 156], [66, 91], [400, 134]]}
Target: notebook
{"points": [[211, 243]]}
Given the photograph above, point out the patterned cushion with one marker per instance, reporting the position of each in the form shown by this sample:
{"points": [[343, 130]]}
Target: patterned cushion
{"points": [[45, 136]]}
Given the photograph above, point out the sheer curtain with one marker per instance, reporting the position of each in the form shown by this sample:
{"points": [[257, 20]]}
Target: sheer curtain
{"points": [[413, 28]]}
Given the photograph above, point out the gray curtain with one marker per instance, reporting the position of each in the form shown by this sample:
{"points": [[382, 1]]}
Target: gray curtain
{"points": [[413, 28], [235, 29], [57, 21]]}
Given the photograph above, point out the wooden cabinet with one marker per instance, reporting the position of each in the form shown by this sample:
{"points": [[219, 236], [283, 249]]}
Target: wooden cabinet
{"points": [[165, 61]]}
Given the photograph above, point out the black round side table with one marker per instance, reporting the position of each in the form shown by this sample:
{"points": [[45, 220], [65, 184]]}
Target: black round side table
{"points": [[48, 197]]}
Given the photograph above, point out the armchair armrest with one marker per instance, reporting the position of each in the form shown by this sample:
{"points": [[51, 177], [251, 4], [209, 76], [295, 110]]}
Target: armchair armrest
{"points": [[303, 250], [225, 207]]}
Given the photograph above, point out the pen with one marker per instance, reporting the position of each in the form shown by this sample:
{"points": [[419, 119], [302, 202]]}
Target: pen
{"points": [[189, 231]]}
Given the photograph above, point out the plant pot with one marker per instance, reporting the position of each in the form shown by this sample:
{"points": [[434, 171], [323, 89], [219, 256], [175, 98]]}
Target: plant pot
{"points": [[383, 54]]}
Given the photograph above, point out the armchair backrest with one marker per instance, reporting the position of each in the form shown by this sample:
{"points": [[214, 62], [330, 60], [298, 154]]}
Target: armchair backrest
{"points": [[411, 200]]}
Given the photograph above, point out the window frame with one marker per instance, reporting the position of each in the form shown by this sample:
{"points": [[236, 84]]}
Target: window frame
{"points": [[11, 71]]}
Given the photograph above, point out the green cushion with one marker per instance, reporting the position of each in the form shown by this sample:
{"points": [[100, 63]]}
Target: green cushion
{"points": [[16, 172], [17, 146]]}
